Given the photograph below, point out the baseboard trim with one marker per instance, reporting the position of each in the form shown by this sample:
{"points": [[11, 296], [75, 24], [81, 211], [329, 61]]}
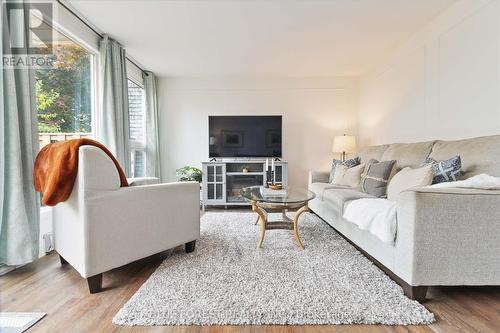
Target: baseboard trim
{"points": [[4, 269]]}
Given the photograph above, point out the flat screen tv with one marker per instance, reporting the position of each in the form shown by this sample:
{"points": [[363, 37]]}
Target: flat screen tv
{"points": [[244, 136]]}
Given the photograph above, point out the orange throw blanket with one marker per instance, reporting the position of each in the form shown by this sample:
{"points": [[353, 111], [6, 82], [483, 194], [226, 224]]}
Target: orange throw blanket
{"points": [[56, 167]]}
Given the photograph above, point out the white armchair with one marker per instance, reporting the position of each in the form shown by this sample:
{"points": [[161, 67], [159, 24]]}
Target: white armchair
{"points": [[103, 226]]}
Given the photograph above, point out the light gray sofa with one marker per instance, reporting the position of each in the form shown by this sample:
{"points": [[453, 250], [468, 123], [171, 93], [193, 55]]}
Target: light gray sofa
{"points": [[444, 236]]}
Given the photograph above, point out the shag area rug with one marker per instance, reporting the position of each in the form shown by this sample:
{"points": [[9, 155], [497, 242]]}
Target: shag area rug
{"points": [[228, 281]]}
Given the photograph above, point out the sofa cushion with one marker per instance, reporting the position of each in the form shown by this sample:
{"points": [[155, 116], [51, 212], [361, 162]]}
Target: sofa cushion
{"points": [[371, 152], [140, 181], [339, 196], [319, 188], [478, 155], [408, 154]]}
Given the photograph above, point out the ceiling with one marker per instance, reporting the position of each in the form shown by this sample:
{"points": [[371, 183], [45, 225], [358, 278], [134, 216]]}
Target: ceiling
{"points": [[259, 38]]}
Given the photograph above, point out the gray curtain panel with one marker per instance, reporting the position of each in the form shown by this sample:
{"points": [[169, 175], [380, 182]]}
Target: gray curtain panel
{"points": [[113, 126], [152, 135], [19, 204]]}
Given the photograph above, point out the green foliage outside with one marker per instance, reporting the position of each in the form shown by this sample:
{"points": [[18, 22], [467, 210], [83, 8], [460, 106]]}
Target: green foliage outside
{"points": [[63, 92], [189, 173]]}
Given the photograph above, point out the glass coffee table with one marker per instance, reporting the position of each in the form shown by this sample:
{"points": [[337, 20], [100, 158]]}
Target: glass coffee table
{"points": [[265, 200]]}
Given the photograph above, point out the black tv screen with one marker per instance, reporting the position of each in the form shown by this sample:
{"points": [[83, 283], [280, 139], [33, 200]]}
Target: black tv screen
{"points": [[244, 136]]}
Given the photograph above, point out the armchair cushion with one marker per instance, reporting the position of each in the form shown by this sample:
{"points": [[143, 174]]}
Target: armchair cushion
{"points": [[140, 181]]}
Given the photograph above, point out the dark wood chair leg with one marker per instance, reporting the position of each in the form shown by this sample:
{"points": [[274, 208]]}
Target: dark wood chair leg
{"points": [[95, 283], [416, 293], [190, 246], [63, 261]]}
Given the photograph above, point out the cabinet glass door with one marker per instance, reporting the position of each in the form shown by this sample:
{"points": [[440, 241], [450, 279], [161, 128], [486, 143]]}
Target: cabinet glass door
{"points": [[210, 174], [215, 182]]}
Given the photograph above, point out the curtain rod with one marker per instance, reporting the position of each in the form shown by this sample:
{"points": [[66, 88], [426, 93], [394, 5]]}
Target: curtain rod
{"points": [[95, 31]]}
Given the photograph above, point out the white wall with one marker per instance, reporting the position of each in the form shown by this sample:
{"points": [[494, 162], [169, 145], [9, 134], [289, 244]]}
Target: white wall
{"points": [[442, 83], [314, 110]]}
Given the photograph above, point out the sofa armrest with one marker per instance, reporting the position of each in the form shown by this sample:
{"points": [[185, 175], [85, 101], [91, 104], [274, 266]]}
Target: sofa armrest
{"points": [[448, 236], [318, 177]]}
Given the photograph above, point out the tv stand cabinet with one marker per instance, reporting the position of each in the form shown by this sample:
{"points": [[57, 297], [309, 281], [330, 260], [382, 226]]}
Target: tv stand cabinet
{"points": [[223, 179]]}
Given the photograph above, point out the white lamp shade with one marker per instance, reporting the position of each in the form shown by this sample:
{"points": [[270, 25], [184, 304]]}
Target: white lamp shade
{"points": [[344, 143]]}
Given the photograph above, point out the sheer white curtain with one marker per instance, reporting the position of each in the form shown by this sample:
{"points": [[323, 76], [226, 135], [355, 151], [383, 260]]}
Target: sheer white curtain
{"points": [[152, 135], [19, 204], [113, 127]]}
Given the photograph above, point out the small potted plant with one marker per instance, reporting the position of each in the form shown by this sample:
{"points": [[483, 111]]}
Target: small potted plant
{"points": [[245, 169], [189, 173]]}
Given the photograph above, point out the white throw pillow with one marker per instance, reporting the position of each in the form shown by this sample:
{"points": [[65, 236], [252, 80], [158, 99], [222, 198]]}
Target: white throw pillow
{"points": [[348, 176], [409, 178]]}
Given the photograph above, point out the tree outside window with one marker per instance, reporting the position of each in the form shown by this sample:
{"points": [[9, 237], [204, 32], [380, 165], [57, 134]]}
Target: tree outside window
{"points": [[64, 93]]}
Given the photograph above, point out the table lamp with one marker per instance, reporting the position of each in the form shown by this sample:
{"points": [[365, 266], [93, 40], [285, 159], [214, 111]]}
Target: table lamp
{"points": [[344, 144]]}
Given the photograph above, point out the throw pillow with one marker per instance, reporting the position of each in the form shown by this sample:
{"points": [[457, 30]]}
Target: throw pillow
{"points": [[409, 178], [346, 176], [376, 176], [445, 171], [349, 163]]}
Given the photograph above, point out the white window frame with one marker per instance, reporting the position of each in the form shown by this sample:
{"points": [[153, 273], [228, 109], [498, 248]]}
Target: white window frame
{"points": [[94, 98], [134, 145]]}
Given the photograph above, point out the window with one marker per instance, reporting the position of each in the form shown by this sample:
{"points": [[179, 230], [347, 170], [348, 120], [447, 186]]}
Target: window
{"points": [[64, 93], [137, 119]]}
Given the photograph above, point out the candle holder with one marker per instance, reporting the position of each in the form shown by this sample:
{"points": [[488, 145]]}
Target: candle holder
{"points": [[270, 180]]}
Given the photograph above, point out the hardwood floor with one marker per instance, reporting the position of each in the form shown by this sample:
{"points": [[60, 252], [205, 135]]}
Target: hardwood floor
{"points": [[46, 286]]}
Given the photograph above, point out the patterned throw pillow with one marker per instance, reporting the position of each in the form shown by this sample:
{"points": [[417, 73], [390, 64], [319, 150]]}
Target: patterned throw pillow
{"points": [[348, 163], [376, 176], [445, 171]]}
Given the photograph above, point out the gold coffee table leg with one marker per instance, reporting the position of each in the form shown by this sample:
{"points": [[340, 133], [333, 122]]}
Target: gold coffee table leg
{"points": [[254, 207], [262, 217], [296, 227]]}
